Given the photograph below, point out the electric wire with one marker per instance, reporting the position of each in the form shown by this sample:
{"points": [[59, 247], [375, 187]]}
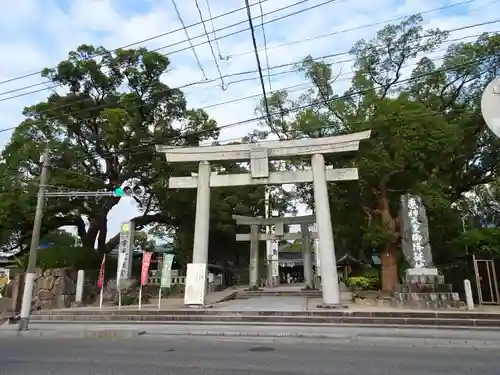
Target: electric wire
{"points": [[360, 27], [223, 86], [189, 38], [211, 19], [133, 150], [267, 22], [135, 43], [259, 68], [243, 79], [264, 37], [196, 37]]}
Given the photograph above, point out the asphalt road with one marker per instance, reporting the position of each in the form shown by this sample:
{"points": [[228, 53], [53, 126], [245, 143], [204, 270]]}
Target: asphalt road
{"points": [[211, 356]]}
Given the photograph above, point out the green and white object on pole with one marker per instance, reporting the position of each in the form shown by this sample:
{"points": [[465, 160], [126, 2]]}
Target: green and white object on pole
{"points": [[490, 106], [166, 275], [166, 271]]}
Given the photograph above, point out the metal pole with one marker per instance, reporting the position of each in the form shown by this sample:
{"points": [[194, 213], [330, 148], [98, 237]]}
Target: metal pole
{"points": [[462, 218], [35, 239]]}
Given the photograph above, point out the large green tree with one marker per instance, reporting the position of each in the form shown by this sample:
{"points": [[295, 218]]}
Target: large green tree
{"points": [[102, 130], [101, 125], [428, 136]]}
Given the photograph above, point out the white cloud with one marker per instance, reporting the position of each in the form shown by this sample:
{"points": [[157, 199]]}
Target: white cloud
{"points": [[35, 34]]}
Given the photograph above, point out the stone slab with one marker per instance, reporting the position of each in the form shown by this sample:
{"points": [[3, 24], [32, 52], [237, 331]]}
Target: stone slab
{"points": [[282, 304], [46, 332]]}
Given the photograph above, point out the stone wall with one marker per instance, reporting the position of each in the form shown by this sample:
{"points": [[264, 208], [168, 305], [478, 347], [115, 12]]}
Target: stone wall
{"points": [[54, 289]]}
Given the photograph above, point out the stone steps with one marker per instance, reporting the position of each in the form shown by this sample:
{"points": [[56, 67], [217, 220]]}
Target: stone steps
{"points": [[266, 293], [428, 319]]}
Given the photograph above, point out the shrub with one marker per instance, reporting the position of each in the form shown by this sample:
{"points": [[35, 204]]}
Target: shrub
{"points": [[358, 283]]}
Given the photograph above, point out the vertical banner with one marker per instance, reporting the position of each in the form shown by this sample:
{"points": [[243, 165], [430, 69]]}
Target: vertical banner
{"points": [[166, 275], [166, 271], [146, 261], [100, 281]]}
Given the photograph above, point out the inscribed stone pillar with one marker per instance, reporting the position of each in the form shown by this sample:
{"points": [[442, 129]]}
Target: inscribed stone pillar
{"points": [[329, 279], [254, 257], [306, 256]]}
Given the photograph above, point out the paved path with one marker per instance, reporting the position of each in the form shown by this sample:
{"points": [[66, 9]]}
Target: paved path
{"points": [[235, 357], [264, 304]]}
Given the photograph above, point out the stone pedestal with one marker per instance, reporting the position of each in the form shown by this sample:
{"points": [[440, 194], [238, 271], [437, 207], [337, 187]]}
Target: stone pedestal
{"points": [[345, 293], [428, 276], [425, 288]]}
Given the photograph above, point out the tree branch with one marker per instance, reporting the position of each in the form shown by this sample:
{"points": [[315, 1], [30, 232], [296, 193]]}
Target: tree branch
{"points": [[140, 222]]}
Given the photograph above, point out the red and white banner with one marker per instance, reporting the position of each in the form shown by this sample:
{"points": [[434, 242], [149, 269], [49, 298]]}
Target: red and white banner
{"points": [[146, 262], [100, 281]]}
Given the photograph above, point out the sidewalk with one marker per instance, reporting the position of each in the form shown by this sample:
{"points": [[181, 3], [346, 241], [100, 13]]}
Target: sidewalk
{"points": [[166, 303], [410, 336]]}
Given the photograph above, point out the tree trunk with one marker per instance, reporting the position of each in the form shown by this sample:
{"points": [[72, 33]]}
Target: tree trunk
{"points": [[389, 255], [389, 268]]}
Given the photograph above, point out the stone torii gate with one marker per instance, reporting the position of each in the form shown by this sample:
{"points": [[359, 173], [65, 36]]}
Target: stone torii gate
{"points": [[279, 222], [259, 155]]}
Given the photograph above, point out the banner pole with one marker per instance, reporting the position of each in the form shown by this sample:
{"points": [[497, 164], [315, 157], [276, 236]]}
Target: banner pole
{"points": [[159, 298], [140, 297], [101, 298]]}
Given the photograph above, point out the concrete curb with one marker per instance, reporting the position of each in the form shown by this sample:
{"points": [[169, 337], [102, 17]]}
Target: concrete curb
{"points": [[250, 318], [380, 339], [374, 340], [263, 324], [103, 334]]}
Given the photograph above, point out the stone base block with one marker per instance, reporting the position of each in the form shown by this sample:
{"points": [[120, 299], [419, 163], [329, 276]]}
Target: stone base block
{"points": [[332, 306], [199, 306]]}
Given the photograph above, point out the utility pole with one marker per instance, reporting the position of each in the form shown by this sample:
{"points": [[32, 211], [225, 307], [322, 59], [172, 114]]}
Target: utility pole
{"points": [[35, 239]]}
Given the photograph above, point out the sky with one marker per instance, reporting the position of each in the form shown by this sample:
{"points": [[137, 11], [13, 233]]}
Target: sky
{"points": [[35, 34]]}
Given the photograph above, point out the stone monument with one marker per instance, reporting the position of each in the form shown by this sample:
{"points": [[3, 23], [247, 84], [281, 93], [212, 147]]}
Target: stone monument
{"points": [[423, 286], [415, 238]]}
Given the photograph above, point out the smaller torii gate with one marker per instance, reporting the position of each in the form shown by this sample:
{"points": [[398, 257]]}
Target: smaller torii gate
{"points": [[279, 222]]}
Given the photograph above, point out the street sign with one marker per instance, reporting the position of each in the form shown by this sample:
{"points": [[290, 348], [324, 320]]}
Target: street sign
{"points": [[490, 106]]}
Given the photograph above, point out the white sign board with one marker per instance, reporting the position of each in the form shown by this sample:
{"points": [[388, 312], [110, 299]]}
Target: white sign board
{"points": [[196, 284], [126, 247]]}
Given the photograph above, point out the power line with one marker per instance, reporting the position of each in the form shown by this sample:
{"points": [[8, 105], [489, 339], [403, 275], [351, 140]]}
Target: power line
{"points": [[246, 29], [253, 72], [265, 44], [136, 43], [238, 99], [356, 28], [189, 39], [213, 29], [210, 45], [259, 68], [202, 35], [384, 119], [298, 108]]}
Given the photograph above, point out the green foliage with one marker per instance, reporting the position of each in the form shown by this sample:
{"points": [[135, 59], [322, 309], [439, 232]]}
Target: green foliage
{"points": [[359, 283], [62, 253], [484, 241], [428, 136], [102, 131]]}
